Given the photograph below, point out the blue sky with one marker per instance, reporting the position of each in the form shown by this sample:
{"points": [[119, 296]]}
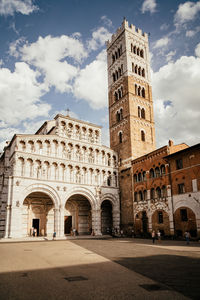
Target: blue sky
{"points": [[53, 57]]}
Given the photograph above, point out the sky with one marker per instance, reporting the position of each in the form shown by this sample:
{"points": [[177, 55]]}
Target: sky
{"points": [[53, 58]]}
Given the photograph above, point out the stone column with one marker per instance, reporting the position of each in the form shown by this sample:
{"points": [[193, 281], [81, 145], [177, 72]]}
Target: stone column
{"points": [[8, 219], [96, 221], [56, 221], [171, 210], [62, 225]]}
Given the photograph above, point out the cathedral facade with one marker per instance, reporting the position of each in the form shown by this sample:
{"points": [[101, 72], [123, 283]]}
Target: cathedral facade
{"points": [[62, 178], [57, 180]]}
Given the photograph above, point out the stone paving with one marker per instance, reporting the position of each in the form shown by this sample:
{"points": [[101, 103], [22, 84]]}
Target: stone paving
{"points": [[99, 269]]}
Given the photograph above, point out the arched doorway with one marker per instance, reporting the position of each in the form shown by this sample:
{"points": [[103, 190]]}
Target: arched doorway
{"points": [[78, 215], [38, 213], [106, 217], [160, 221], [141, 223], [185, 220]]}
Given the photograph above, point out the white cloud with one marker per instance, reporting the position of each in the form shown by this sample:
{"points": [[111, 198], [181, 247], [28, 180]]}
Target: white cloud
{"points": [[10, 7], [164, 26], [197, 50], [191, 33], [161, 43], [50, 55], [99, 37], [20, 95], [106, 21], [178, 85], [170, 55], [186, 12], [149, 5], [91, 84]]}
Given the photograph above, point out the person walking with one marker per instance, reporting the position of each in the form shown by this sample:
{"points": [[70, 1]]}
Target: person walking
{"points": [[153, 235], [187, 237], [159, 236]]}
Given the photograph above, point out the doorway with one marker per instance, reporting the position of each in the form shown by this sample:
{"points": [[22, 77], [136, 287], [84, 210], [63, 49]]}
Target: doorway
{"points": [[68, 224], [36, 225]]}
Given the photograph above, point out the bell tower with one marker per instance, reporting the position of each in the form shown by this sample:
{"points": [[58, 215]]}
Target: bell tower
{"points": [[131, 120]]}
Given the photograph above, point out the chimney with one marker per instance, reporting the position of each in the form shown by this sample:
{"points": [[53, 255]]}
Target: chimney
{"points": [[171, 143]]}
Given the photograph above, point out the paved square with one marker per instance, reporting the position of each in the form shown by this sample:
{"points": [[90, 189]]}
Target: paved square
{"points": [[99, 269]]}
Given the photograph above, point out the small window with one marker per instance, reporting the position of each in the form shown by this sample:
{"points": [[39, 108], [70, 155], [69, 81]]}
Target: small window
{"points": [[152, 193], [181, 188], [135, 197], [120, 137], [179, 164], [152, 174], [143, 113], [142, 136], [140, 196], [160, 217], [183, 213], [135, 178]]}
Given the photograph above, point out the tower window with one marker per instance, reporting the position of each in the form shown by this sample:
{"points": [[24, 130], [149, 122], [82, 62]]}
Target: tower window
{"points": [[138, 51], [136, 89], [143, 113], [143, 93], [139, 71], [114, 77], [139, 111], [142, 53], [116, 96], [132, 67], [120, 137], [181, 188], [143, 72], [113, 58], [142, 136], [135, 69], [134, 49]]}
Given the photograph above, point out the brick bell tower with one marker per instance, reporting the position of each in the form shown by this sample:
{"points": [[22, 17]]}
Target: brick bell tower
{"points": [[132, 132]]}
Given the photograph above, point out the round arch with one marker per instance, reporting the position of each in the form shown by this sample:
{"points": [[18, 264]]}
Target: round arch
{"points": [[83, 192], [43, 188], [114, 201]]}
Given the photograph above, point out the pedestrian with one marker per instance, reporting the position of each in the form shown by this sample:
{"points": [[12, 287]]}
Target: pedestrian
{"points": [[153, 235], [187, 237], [159, 236], [35, 232], [54, 235]]}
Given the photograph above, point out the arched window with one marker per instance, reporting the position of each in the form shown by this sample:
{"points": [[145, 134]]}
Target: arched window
{"points": [[121, 114], [122, 91], [135, 177], [158, 192], [134, 49], [139, 111], [145, 194], [143, 113], [120, 137], [144, 176], [164, 192], [143, 72], [119, 94], [119, 52], [121, 69], [140, 196], [136, 89], [109, 181], [151, 173], [113, 58], [143, 93], [117, 116], [157, 171], [116, 55], [135, 197], [139, 91], [139, 71], [160, 217], [162, 168], [139, 177], [138, 51], [133, 68], [120, 72], [114, 77], [117, 75], [152, 193], [142, 53], [136, 69], [131, 47], [116, 96], [142, 136]]}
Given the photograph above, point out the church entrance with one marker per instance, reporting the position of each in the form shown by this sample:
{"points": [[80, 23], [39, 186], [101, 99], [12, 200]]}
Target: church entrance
{"points": [[68, 224], [36, 225], [38, 213], [106, 217], [79, 217]]}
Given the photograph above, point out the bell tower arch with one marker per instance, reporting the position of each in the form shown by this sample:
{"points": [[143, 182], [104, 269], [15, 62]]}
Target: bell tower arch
{"points": [[131, 120]]}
